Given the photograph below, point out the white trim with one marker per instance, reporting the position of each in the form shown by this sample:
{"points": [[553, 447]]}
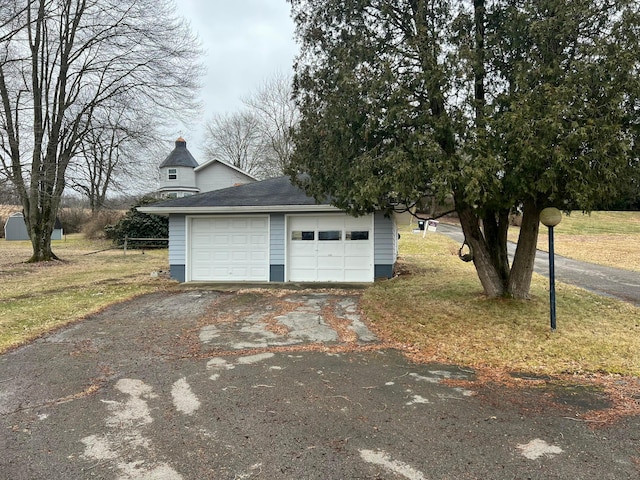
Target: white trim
{"points": [[244, 209], [188, 246]]}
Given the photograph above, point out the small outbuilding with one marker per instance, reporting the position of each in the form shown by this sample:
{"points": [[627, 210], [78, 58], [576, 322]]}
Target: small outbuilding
{"points": [[271, 231], [16, 229]]}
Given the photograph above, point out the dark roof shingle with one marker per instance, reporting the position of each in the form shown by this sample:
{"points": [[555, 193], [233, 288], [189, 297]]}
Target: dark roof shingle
{"points": [[271, 192], [180, 156]]}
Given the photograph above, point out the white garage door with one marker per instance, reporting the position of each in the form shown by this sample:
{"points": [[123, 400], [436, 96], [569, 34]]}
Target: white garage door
{"points": [[330, 248], [229, 249]]}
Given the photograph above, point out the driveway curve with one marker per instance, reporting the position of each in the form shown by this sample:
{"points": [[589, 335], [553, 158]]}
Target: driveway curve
{"points": [[608, 281], [199, 384]]}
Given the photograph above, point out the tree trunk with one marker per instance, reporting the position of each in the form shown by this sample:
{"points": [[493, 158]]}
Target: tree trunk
{"points": [[495, 225], [491, 280], [40, 227], [523, 261]]}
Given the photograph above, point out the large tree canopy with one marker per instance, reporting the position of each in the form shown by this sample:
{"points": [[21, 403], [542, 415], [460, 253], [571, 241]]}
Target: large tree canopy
{"points": [[509, 104], [65, 66]]}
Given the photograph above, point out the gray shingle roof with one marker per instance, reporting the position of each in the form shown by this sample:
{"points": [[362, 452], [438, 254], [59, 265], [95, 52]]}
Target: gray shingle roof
{"points": [[271, 192], [180, 156]]}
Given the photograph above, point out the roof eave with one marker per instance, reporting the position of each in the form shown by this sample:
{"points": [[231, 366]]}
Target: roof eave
{"points": [[244, 209]]}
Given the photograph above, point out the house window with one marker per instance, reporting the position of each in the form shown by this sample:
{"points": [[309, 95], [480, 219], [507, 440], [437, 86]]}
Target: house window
{"points": [[357, 235], [173, 174], [300, 235], [330, 235]]}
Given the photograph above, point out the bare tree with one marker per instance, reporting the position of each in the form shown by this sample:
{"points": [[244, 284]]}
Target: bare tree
{"points": [[64, 63], [257, 138], [235, 139], [114, 157], [8, 194], [274, 106]]}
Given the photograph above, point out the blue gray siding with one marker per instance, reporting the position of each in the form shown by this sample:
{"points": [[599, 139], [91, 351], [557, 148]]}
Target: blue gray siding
{"points": [[385, 245], [177, 246], [276, 247]]}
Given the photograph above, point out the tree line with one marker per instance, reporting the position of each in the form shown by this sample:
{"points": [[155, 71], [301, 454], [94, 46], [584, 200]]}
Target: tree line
{"points": [[257, 138]]}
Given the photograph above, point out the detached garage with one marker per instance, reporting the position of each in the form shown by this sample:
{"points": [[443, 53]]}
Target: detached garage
{"points": [[271, 231]]}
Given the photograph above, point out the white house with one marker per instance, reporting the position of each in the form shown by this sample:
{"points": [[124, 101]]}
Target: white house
{"points": [[271, 231], [181, 175]]}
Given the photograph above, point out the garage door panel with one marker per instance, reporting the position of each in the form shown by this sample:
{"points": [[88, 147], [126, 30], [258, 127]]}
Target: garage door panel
{"points": [[355, 263], [240, 256], [229, 249], [259, 256], [329, 275], [328, 254], [330, 262], [354, 275]]}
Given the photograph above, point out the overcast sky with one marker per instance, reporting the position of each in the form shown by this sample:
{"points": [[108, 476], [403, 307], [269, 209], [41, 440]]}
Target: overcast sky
{"points": [[246, 42]]}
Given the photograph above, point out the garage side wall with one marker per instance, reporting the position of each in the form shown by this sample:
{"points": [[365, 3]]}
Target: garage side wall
{"points": [[177, 247], [385, 252], [276, 248]]}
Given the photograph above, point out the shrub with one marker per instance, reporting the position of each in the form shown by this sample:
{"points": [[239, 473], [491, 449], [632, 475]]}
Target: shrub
{"points": [[94, 229], [73, 219], [135, 224]]}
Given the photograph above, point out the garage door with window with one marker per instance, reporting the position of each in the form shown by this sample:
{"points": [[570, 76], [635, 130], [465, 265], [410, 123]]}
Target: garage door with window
{"points": [[329, 248], [229, 249]]}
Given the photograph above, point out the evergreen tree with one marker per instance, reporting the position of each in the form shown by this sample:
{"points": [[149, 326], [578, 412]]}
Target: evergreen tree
{"points": [[503, 105]]}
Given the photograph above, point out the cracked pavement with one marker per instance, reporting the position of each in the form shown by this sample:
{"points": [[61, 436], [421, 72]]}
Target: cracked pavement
{"points": [[199, 384]]}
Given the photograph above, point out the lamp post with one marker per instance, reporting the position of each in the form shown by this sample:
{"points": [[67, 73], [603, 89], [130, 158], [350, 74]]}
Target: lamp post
{"points": [[550, 217]]}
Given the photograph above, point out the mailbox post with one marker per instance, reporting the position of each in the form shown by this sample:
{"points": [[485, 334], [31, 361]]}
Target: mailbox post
{"points": [[550, 217]]}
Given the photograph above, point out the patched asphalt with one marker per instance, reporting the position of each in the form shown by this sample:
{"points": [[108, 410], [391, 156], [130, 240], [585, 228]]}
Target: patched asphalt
{"points": [[198, 384]]}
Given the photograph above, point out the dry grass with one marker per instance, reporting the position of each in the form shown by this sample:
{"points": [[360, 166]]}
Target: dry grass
{"points": [[6, 210], [37, 298], [436, 309], [605, 238]]}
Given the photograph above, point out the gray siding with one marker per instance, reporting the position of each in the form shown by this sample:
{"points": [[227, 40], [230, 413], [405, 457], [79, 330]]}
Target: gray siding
{"points": [[276, 273], [276, 242], [16, 229], [384, 240], [177, 272], [177, 240]]}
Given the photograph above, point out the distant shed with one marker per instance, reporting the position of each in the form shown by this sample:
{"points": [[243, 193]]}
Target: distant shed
{"points": [[15, 228]]}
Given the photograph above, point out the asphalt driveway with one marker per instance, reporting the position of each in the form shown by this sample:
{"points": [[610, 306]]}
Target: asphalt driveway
{"points": [[195, 384], [612, 282]]}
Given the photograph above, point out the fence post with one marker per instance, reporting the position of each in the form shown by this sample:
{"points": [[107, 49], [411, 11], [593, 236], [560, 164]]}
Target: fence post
{"points": [[125, 244]]}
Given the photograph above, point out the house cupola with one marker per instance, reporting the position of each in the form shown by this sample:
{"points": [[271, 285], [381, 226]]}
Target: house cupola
{"points": [[177, 172], [180, 156]]}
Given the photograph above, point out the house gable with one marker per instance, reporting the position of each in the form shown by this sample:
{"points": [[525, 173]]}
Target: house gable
{"points": [[215, 175]]}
